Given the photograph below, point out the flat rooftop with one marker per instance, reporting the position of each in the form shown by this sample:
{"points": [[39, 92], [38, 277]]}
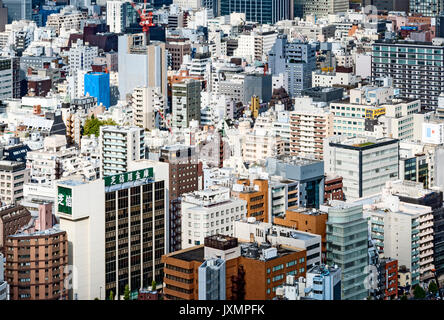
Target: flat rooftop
{"points": [[192, 254]]}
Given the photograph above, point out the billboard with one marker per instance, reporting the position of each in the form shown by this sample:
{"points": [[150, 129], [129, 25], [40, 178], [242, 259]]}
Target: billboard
{"points": [[128, 177], [433, 133], [64, 200]]}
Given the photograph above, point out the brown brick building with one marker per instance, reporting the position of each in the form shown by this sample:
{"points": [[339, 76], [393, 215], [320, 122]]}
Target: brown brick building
{"points": [[308, 220], [183, 178], [257, 200], [12, 218], [252, 272], [333, 188], [36, 265]]}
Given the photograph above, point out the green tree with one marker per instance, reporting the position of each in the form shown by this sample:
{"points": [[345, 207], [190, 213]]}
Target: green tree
{"points": [[92, 125], [433, 288], [419, 292], [153, 285], [111, 295], [404, 297], [126, 293], [96, 298]]}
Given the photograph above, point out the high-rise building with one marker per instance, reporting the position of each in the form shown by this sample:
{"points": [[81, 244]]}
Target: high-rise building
{"points": [[116, 15], [320, 8], [118, 146], [6, 74], [12, 219], [18, 9], [116, 229], [81, 57], [140, 65], [13, 175], [365, 164], [347, 236], [186, 102], [296, 60], [428, 8], [310, 124], [416, 68], [146, 103], [97, 85], [183, 178], [262, 11]]}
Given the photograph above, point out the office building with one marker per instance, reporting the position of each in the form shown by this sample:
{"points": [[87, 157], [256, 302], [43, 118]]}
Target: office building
{"points": [[365, 164], [37, 272], [415, 67], [212, 274], [186, 102], [18, 9], [426, 8], [255, 193], [262, 11], [81, 56], [308, 172], [97, 85], [347, 236], [121, 251], [116, 15], [325, 282], [209, 212], [118, 146], [283, 195], [296, 60], [140, 65], [319, 8]]}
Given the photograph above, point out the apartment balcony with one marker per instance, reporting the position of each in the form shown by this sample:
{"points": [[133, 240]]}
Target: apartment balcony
{"points": [[114, 162], [112, 143], [426, 225], [427, 246], [426, 260], [426, 253], [115, 137]]}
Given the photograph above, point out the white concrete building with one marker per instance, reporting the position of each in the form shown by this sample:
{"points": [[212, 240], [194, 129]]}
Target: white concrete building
{"points": [[80, 56], [329, 79], [365, 164], [146, 102], [209, 212], [118, 146], [116, 11]]}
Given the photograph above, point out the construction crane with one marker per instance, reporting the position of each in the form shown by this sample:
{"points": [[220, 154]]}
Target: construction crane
{"points": [[146, 20]]}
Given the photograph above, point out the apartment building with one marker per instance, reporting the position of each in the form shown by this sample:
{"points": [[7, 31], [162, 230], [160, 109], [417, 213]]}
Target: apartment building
{"points": [[260, 144], [6, 76], [13, 175], [118, 146], [81, 57], [209, 212], [12, 219], [182, 178], [66, 20], [186, 102], [403, 231], [365, 164], [255, 193], [36, 265], [310, 124], [415, 67], [146, 103], [333, 188], [283, 194]]}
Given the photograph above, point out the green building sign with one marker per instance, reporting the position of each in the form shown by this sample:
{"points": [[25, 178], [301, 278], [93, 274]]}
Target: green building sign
{"points": [[64, 200], [128, 177]]}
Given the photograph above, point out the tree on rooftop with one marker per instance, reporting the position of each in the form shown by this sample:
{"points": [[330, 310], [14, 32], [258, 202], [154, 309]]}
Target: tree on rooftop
{"points": [[92, 125]]}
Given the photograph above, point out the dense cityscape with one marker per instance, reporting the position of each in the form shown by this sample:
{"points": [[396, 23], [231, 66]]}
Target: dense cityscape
{"points": [[221, 150]]}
